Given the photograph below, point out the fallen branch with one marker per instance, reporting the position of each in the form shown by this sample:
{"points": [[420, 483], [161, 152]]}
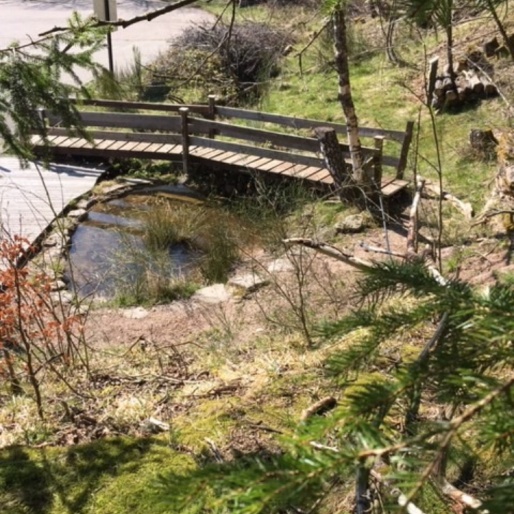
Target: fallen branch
{"points": [[465, 207], [331, 251], [319, 408], [413, 220], [410, 508], [370, 248], [459, 496]]}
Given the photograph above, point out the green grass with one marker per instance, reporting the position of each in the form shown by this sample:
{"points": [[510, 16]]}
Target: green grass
{"points": [[111, 476]]}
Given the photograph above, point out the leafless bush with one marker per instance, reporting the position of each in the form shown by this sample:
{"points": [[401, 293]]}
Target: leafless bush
{"points": [[235, 63]]}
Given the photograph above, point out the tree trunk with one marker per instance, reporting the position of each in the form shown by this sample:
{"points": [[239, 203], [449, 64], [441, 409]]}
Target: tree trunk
{"points": [[449, 54], [345, 97], [506, 40]]}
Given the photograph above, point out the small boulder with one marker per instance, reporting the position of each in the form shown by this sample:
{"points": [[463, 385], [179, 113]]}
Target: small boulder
{"points": [[217, 293], [78, 214], [241, 285], [352, 224], [280, 266], [135, 313]]}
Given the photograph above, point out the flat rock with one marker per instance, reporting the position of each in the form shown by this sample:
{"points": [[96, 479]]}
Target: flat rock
{"points": [[62, 297], [78, 214], [58, 285], [217, 293], [352, 224], [246, 283], [135, 313], [54, 239], [280, 266]]}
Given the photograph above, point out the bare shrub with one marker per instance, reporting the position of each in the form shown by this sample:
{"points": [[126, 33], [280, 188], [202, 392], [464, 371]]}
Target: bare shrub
{"points": [[234, 63]]}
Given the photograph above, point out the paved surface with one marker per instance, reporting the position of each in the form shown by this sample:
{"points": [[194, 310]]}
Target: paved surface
{"points": [[30, 198], [21, 20], [25, 207]]}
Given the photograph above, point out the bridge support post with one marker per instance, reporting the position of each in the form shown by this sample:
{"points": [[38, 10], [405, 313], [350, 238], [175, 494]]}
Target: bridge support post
{"points": [[212, 114], [184, 116], [377, 161], [333, 156]]}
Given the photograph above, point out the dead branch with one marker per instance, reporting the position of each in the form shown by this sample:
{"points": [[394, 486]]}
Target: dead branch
{"points": [[410, 508], [319, 408], [465, 207], [412, 235], [377, 249], [331, 251], [459, 496]]}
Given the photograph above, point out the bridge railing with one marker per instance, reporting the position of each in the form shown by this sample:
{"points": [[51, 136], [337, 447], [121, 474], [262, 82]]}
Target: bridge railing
{"points": [[204, 125], [397, 158]]}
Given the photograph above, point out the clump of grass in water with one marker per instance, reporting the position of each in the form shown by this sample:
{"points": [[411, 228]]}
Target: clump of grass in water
{"points": [[170, 224]]}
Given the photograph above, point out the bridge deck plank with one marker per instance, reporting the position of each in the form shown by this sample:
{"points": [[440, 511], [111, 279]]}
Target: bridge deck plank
{"points": [[104, 145], [170, 149], [390, 185], [270, 165]]}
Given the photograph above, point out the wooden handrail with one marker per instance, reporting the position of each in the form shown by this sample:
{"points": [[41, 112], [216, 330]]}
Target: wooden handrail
{"points": [[208, 125]]}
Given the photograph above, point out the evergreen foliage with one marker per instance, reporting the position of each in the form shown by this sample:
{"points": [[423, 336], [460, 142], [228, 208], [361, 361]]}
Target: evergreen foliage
{"points": [[412, 423], [43, 75]]}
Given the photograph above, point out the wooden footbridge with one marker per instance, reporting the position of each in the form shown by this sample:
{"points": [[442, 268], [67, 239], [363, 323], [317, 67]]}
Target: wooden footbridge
{"points": [[221, 138]]}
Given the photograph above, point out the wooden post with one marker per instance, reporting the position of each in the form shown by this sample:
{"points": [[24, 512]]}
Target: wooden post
{"points": [[212, 114], [332, 155], [409, 129], [42, 117], [377, 162], [184, 115]]}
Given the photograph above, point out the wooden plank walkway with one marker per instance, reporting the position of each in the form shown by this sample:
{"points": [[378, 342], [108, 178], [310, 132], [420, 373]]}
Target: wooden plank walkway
{"points": [[30, 198], [254, 160], [224, 139]]}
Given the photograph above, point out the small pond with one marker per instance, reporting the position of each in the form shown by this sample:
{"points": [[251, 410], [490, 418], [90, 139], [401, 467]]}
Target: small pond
{"points": [[109, 250]]}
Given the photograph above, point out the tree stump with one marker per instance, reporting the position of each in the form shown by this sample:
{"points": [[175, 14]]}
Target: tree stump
{"points": [[483, 141]]}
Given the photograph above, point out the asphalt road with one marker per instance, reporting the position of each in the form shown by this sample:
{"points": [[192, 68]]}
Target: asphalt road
{"points": [[21, 20]]}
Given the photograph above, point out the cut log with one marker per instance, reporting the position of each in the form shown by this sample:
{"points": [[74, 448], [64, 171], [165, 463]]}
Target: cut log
{"points": [[490, 89], [438, 88], [451, 99], [447, 84], [475, 83], [490, 47]]}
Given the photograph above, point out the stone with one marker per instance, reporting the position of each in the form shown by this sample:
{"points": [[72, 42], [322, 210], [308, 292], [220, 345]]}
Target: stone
{"points": [[58, 285], [154, 426], [85, 203], [135, 313], [78, 214], [217, 293], [352, 224], [54, 239], [62, 297], [246, 283], [280, 265]]}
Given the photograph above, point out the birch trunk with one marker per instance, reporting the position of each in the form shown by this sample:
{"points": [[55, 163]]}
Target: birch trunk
{"points": [[345, 97]]}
